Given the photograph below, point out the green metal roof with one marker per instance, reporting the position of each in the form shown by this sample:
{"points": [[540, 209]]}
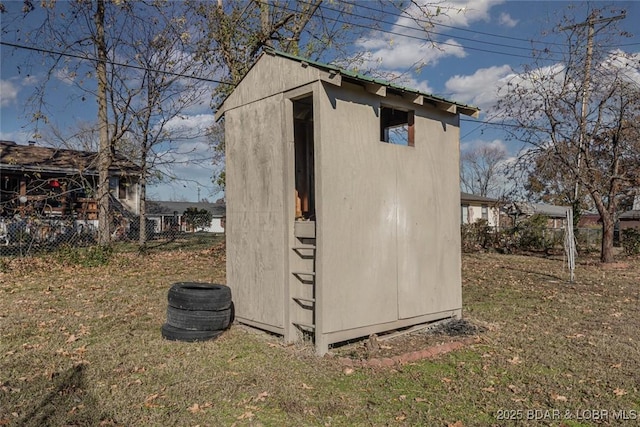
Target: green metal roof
{"points": [[472, 111]]}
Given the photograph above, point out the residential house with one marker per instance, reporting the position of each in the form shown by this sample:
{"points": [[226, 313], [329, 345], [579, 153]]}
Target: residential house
{"points": [[628, 220], [169, 216], [60, 182], [556, 215], [475, 208], [343, 202]]}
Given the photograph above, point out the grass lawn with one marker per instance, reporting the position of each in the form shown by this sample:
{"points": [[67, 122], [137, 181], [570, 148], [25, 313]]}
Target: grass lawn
{"points": [[81, 346]]}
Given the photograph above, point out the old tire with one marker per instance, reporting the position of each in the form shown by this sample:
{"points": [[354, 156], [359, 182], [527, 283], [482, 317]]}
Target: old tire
{"points": [[172, 333], [199, 320], [199, 296]]}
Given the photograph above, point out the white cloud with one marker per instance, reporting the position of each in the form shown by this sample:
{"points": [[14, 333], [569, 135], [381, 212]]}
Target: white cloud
{"points": [[456, 13], [8, 93], [409, 42], [478, 143], [506, 20], [65, 75], [411, 53], [480, 88], [623, 64]]}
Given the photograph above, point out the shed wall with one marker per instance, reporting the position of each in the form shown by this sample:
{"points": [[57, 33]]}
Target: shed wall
{"points": [[255, 226], [388, 215]]}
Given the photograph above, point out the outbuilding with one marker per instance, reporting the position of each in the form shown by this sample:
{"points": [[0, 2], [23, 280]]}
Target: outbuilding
{"points": [[343, 202]]}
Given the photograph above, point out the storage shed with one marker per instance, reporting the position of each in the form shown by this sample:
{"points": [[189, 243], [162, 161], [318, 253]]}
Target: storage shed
{"points": [[343, 202]]}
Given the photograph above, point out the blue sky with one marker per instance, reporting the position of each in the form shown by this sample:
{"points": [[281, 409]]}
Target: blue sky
{"points": [[477, 44]]}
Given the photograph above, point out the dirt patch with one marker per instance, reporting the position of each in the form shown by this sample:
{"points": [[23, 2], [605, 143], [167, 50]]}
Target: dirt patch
{"points": [[426, 342]]}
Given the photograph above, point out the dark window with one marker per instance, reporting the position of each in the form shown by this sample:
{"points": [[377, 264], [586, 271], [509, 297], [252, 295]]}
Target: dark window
{"points": [[397, 126]]}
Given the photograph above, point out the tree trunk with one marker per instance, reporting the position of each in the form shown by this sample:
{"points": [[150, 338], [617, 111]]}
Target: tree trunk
{"points": [[104, 153], [142, 238], [606, 253]]}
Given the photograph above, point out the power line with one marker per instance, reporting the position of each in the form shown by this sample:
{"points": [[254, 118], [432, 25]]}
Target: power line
{"points": [[488, 123], [438, 24], [136, 67], [423, 39]]}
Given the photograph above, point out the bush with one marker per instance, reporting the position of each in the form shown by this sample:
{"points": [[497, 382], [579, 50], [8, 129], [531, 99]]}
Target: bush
{"points": [[532, 234], [476, 236], [631, 241], [92, 256]]}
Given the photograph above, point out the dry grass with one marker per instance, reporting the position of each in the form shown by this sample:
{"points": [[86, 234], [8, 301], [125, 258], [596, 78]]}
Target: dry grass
{"points": [[82, 346]]}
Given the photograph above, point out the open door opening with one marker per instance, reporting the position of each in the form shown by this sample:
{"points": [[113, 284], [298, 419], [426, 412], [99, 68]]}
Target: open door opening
{"points": [[304, 166]]}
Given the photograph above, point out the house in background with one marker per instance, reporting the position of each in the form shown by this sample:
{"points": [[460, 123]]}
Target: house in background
{"points": [[169, 216], [627, 220], [474, 208], [556, 215], [343, 202], [60, 182]]}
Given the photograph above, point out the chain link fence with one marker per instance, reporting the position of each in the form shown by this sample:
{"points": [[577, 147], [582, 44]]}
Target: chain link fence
{"points": [[526, 238], [35, 234]]}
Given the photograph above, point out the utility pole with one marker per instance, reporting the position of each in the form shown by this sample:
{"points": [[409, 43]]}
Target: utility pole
{"points": [[591, 23]]}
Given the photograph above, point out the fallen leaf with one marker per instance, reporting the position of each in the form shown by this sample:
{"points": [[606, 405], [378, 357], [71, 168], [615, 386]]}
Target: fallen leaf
{"points": [[401, 417], [71, 339], [489, 389], [421, 399], [402, 397], [446, 380], [619, 392], [348, 371], [616, 366], [194, 408], [515, 361], [261, 397], [456, 424], [306, 387], [558, 397], [246, 415]]}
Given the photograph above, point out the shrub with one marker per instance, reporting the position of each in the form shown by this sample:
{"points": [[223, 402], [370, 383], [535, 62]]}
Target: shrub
{"points": [[476, 236], [532, 234], [92, 256], [631, 241]]}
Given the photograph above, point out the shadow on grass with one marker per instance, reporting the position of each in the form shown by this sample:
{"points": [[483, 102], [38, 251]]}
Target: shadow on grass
{"points": [[538, 273], [67, 404]]}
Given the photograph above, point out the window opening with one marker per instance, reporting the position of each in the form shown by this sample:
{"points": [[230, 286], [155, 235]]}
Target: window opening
{"points": [[397, 126], [304, 158]]}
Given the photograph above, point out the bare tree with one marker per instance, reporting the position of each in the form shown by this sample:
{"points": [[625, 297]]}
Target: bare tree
{"points": [[482, 170], [135, 59], [579, 117]]}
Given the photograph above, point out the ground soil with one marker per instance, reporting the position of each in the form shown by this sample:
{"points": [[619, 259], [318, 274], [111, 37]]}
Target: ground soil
{"points": [[398, 343]]}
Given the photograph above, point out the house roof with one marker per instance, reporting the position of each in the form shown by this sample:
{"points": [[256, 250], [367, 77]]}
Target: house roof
{"points": [[154, 207], [473, 198], [629, 215], [419, 97], [552, 211], [37, 158]]}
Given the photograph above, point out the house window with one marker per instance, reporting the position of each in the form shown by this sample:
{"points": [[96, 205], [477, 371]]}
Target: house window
{"points": [[123, 186], [485, 212], [397, 126], [465, 214], [119, 187]]}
